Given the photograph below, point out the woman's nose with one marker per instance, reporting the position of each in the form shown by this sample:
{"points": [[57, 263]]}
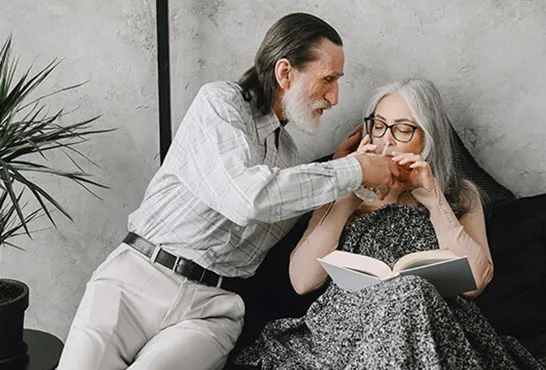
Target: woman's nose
{"points": [[388, 139]]}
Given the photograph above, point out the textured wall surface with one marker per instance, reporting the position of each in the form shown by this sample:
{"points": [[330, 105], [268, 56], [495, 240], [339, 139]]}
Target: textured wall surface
{"points": [[486, 57], [112, 46]]}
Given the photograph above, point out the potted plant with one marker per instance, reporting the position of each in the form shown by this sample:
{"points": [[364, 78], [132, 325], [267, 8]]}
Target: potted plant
{"points": [[27, 134]]}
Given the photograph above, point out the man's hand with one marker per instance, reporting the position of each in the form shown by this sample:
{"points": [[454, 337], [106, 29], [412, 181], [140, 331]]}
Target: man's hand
{"points": [[350, 144], [378, 172]]}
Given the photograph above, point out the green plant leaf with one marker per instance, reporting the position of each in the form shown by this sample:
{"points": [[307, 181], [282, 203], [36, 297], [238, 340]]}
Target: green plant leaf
{"points": [[27, 133]]}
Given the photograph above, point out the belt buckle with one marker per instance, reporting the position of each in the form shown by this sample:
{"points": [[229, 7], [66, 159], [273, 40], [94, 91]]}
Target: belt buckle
{"points": [[175, 265], [155, 253]]}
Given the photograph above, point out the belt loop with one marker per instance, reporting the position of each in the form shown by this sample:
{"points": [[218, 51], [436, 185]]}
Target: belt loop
{"points": [[155, 253], [220, 280]]}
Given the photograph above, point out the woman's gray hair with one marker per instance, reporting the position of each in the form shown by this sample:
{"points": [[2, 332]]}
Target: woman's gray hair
{"points": [[427, 107]]}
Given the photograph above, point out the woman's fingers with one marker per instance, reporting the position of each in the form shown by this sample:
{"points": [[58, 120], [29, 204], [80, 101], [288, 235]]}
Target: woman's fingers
{"points": [[410, 156], [415, 172], [405, 158], [419, 164], [367, 148], [365, 140]]}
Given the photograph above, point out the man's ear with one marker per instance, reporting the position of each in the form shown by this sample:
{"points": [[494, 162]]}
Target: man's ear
{"points": [[283, 73]]}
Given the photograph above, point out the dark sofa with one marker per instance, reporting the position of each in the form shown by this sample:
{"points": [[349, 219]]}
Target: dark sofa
{"points": [[514, 302]]}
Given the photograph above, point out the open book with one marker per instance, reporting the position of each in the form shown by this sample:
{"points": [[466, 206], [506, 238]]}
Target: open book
{"points": [[449, 273]]}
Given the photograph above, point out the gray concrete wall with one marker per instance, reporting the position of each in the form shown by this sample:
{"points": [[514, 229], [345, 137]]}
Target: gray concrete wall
{"points": [[486, 57], [110, 44]]}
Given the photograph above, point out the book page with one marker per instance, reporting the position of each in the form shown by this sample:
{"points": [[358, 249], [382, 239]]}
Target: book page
{"points": [[449, 277], [358, 262], [423, 258], [348, 279]]}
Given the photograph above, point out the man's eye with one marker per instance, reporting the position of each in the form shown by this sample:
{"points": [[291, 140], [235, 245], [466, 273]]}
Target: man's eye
{"points": [[329, 79]]}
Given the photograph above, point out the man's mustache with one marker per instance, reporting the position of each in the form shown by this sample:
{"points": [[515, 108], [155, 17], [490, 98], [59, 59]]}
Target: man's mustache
{"points": [[322, 105]]}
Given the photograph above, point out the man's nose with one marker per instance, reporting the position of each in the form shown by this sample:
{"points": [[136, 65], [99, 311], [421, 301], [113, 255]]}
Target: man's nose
{"points": [[332, 94]]}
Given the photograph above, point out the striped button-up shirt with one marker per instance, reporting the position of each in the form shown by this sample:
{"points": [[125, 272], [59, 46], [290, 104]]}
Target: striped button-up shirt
{"points": [[226, 193]]}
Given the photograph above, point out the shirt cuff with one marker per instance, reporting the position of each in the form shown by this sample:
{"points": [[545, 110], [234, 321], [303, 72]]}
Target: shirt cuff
{"points": [[348, 173]]}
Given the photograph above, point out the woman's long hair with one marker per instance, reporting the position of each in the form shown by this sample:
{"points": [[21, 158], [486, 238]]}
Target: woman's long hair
{"points": [[427, 107]]}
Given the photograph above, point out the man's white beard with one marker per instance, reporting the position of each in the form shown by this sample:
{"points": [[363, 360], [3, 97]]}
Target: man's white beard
{"points": [[299, 109]]}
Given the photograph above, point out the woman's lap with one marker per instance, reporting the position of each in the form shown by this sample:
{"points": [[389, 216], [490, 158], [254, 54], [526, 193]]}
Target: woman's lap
{"points": [[403, 323]]}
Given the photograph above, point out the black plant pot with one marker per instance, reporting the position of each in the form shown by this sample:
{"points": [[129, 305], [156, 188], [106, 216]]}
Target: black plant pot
{"points": [[13, 303]]}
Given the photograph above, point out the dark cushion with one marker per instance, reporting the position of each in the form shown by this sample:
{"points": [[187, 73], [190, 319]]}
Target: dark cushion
{"points": [[269, 294], [515, 301], [466, 165]]}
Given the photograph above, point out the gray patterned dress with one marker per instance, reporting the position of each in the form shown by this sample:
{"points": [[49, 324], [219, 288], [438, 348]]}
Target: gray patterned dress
{"points": [[400, 324]]}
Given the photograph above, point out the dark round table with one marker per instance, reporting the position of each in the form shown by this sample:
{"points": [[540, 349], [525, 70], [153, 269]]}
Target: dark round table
{"points": [[44, 352]]}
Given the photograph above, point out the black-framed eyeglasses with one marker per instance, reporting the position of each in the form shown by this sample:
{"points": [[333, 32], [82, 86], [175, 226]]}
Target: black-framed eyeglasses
{"points": [[402, 132]]}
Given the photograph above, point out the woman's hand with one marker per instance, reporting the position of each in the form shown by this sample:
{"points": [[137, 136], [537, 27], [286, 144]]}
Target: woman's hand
{"points": [[365, 146], [415, 172]]}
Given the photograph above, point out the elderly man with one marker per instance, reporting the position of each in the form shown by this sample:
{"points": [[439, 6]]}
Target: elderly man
{"points": [[231, 186]]}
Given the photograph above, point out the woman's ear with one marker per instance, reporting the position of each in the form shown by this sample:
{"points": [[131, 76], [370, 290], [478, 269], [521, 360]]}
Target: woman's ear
{"points": [[283, 73]]}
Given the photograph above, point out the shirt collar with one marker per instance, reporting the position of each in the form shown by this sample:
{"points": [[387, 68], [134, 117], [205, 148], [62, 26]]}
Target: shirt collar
{"points": [[267, 124]]}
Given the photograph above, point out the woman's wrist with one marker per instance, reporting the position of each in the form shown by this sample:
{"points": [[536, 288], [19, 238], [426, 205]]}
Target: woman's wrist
{"points": [[428, 198], [437, 204], [350, 202]]}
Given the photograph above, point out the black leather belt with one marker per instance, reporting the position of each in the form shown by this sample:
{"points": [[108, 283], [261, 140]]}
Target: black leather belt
{"points": [[179, 265]]}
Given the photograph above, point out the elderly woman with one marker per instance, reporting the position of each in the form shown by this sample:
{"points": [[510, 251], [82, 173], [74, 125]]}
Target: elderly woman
{"points": [[403, 323]]}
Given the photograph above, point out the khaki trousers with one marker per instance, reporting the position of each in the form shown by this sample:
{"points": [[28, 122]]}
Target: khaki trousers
{"points": [[137, 315]]}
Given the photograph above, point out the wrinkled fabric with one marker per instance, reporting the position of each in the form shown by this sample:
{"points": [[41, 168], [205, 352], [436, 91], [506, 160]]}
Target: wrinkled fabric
{"points": [[400, 324]]}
